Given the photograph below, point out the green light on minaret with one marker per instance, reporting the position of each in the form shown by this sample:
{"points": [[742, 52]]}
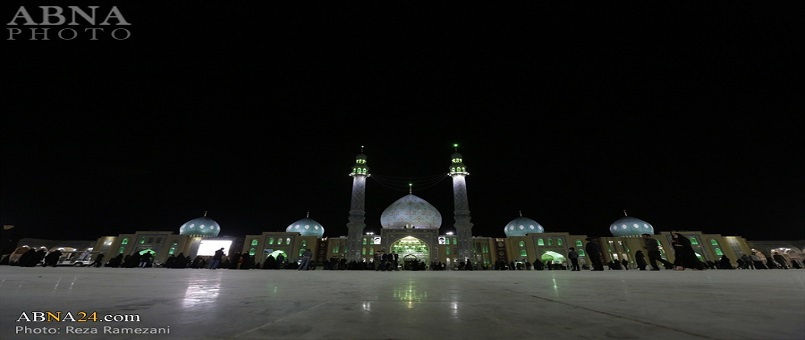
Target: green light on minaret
{"points": [[455, 145]]}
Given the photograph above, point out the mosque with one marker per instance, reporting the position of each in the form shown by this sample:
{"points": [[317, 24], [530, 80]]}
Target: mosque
{"points": [[411, 228]]}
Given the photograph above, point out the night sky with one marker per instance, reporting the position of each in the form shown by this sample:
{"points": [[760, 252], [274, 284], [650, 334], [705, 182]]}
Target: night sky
{"points": [[689, 118]]}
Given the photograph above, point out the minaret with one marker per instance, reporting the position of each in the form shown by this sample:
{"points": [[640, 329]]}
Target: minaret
{"points": [[360, 171], [461, 206]]}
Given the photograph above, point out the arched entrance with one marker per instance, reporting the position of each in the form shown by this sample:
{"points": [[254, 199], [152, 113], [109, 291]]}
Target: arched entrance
{"points": [[556, 259], [278, 261], [149, 250], [412, 251]]}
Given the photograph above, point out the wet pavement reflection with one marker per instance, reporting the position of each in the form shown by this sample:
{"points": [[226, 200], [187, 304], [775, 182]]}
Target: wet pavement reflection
{"points": [[262, 304]]}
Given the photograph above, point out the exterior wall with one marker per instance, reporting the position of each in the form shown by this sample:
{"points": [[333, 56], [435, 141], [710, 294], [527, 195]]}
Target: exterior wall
{"points": [[483, 252], [442, 248], [164, 243], [289, 243]]}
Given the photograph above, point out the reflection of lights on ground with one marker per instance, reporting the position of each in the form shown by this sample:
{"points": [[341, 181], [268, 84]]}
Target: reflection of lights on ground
{"points": [[367, 306], [409, 294], [201, 293], [555, 287], [454, 309]]}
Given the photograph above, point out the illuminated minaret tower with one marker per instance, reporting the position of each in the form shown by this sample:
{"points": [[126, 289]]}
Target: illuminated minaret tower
{"points": [[461, 206], [360, 171]]}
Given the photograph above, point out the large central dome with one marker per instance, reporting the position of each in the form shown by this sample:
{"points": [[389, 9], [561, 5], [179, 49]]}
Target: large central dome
{"points": [[521, 226], [629, 226], [307, 227], [201, 226], [411, 212]]}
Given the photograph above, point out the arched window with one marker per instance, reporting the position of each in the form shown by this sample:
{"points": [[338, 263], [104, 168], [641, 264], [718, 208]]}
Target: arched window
{"points": [[693, 240], [581, 252], [271, 240], [550, 242], [455, 241], [713, 242], [173, 248], [287, 240], [523, 252], [254, 242], [522, 244], [559, 242], [540, 242], [125, 241], [335, 249], [251, 252], [579, 244], [363, 250], [121, 250], [304, 243], [364, 241], [718, 251], [447, 250], [142, 240], [301, 252]]}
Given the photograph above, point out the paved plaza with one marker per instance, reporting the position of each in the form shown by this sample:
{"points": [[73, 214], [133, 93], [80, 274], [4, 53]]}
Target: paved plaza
{"points": [[319, 304]]}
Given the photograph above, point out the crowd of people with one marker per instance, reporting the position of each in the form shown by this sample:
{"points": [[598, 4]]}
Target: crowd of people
{"points": [[684, 258]]}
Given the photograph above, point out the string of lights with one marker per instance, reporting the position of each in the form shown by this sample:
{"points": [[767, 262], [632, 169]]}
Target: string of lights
{"points": [[404, 184]]}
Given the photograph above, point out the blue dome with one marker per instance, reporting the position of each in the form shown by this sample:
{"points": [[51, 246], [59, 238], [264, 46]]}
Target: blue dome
{"points": [[521, 226], [307, 227], [411, 212], [202, 226], [630, 226]]}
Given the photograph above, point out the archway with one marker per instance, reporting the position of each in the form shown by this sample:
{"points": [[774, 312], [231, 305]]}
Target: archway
{"points": [[554, 258], [276, 262], [412, 251]]}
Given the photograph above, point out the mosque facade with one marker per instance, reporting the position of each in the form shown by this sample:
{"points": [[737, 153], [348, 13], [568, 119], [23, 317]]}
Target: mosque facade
{"points": [[410, 227]]}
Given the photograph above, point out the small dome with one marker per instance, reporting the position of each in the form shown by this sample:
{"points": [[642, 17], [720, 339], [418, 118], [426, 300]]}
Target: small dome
{"points": [[521, 226], [202, 226], [411, 212], [307, 227], [630, 226]]}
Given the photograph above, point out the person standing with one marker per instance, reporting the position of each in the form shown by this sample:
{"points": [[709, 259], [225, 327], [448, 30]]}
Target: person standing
{"points": [[280, 261], [640, 258], [574, 259], [305, 259], [216, 258], [376, 261], [395, 260], [384, 260], [593, 250], [653, 248], [685, 254]]}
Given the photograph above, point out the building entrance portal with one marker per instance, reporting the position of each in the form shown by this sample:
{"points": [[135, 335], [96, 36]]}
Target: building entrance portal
{"points": [[413, 252]]}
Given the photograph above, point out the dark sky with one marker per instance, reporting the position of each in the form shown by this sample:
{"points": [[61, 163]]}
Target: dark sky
{"points": [[689, 118]]}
